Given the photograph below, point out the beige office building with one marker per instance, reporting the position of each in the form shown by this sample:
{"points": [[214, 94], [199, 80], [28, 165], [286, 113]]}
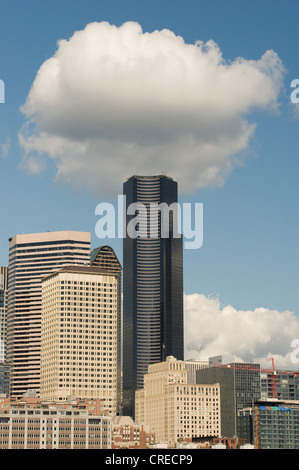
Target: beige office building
{"points": [[79, 335], [32, 257], [177, 410]]}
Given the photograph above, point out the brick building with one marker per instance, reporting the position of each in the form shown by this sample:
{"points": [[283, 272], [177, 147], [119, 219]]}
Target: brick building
{"points": [[125, 434]]}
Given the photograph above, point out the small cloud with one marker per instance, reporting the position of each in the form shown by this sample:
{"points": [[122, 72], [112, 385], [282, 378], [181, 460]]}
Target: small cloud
{"points": [[5, 148], [32, 165]]}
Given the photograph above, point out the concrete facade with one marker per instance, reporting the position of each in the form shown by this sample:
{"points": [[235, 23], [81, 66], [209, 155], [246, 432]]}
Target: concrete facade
{"points": [[79, 335], [176, 409], [31, 258]]}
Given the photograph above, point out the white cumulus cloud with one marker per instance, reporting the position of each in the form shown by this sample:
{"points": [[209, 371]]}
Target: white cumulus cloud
{"points": [[250, 335], [116, 101]]}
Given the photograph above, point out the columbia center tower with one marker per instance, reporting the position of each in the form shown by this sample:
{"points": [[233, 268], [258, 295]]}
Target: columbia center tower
{"points": [[153, 320]]}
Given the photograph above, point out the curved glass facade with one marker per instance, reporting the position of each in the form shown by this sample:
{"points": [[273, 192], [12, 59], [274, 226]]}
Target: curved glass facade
{"points": [[105, 258]]}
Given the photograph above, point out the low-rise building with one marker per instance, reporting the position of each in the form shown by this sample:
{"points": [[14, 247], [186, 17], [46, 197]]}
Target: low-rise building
{"points": [[28, 423], [212, 443], [125, 434]]}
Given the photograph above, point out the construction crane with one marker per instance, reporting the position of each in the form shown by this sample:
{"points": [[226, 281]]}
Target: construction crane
{"points": [[272, 372], [273, 379]]}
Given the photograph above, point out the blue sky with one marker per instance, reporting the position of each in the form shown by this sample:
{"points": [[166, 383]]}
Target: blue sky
{"points": [[249, 257]]}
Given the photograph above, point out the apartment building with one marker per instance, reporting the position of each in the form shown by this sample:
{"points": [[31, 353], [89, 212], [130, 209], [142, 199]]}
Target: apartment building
{"points": [[271, 424], [276, 424]]}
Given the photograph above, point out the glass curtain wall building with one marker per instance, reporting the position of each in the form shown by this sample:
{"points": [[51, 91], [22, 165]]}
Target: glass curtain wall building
{"points": [[152, 284], [239, 388]]}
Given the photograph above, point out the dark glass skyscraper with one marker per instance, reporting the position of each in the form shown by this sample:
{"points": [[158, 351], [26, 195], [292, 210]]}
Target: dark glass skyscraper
{"points": [[153, 323]]}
